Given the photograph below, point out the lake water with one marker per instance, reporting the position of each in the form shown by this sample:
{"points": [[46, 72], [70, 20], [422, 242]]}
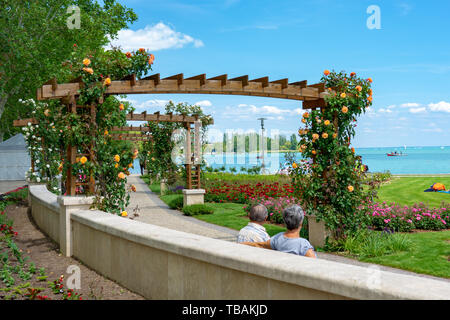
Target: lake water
{"points": [[419, 160]]}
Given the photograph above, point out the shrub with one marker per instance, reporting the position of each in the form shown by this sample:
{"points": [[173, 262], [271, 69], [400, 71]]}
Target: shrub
{"points": [[196, 209], [176, 203]]}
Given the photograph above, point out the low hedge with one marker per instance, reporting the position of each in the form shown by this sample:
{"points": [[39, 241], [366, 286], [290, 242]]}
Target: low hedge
{"points": [[196, 209]]}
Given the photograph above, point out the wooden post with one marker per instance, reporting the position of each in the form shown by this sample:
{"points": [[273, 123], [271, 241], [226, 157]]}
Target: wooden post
{"points": [[71, 154], [91, 147], [188, 154]]}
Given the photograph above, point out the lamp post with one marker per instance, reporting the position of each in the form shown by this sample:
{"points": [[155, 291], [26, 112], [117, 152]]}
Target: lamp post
{"points": [[263, 169]]}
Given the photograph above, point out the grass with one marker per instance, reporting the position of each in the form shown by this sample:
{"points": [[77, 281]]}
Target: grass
{"points": [[409, 190], [429, 254]]}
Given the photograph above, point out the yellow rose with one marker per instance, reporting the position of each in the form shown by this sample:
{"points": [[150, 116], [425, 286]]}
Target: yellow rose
{"points": [[83, 160], [326, 122], [116, 158], [350, 188], [88, 70], [107, 81], [86, 62], [334, 135], [303, 120], [116, 165], [343, 95], [294, 165], [324, 135], [344, 109], [124, 214], [121, 107], [130, 165], [106, 132], [77, 159]]}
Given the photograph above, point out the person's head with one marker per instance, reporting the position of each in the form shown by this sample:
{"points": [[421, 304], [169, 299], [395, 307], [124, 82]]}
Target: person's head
{"points": [[258, 213], [293, 217]]}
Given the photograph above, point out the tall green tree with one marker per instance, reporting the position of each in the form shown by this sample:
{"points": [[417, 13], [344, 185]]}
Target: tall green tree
{"points": [[36, 41]]}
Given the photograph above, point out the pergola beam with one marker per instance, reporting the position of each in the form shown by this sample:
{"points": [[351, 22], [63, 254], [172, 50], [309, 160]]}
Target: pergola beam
{"points": [[198, 84]]}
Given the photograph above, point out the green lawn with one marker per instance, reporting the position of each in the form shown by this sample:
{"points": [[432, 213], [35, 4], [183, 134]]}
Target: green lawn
{"points": [[429, 254], [409, 190]]}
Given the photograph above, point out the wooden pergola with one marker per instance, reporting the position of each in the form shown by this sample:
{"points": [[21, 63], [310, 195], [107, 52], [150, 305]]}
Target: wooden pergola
{"points": [[312, 97]]}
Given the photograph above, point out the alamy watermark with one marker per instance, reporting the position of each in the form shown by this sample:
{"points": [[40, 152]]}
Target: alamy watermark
{"points": [[74, 20], [374, 20]]}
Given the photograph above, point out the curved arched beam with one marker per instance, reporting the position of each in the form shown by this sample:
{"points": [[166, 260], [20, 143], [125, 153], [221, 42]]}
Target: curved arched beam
{"points": [[153, 84]]}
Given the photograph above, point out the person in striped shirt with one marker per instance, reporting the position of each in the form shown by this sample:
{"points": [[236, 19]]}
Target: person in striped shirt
{"points": [[254, 230]]}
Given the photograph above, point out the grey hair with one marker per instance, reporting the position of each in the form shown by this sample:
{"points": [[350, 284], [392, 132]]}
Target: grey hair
{"points": [[258, 213], [293, 216]]}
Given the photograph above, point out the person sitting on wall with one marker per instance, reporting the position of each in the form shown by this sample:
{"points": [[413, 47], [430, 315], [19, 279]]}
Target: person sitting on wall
{"points": [[254, 230], [289, 241]]}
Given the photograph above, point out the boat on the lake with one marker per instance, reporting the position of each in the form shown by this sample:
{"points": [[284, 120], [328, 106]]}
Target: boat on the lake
{"points": [[396, 154]]}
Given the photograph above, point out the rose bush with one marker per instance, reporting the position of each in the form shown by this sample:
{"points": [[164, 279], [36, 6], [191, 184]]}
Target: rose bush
{"points": [[331, 187]]}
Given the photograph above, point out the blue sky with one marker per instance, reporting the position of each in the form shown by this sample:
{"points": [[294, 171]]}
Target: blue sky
{"points": [[408, 59]]}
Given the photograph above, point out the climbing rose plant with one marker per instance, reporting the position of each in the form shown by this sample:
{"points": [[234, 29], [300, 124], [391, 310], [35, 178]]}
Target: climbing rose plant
{"points": [[111, 159], [331, 186]]}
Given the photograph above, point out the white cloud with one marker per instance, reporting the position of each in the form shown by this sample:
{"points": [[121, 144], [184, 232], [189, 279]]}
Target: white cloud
{"points": [[153, 38], [440, 106], [264, 110], [432, 130], [418, 110], [392, 106], [203, 103], [410, 105], [385, 110]]}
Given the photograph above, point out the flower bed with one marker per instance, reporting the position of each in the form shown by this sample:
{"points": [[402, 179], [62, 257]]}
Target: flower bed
{"points": [[383, 216], [241, 193]]}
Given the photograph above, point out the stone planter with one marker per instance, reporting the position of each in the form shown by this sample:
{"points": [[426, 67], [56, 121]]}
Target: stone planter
{"points": [[317, 232], [193, 196]]}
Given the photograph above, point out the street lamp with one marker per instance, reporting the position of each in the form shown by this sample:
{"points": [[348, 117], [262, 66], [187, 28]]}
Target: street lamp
{"points": [[263, 169]]}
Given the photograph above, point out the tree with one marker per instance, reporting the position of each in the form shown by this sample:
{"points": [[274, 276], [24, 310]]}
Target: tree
{"points": [[35, 42]]}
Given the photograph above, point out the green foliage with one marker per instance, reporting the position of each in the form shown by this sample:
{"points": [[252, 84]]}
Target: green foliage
{"points": [[331, 186], [196, 209], [37, 45], [366, 243], [176, 203], [167, 143]]}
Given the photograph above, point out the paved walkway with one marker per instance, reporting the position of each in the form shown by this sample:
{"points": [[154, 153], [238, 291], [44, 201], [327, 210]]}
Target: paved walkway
{"points": [[153, 210], [8, 185]]}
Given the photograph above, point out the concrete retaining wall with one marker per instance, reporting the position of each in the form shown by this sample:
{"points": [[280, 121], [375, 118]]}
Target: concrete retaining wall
{"points": [[160, 263]]}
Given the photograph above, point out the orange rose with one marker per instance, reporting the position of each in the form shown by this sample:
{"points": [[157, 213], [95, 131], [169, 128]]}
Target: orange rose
{"points": [[343, 95], [370, 92], [344, 109], [324, 135], [130, 165], [334, 135], [107, 81], [77, 159], [121, 175], [303, 120], [369, 99], [133, 188], [352, 74], [326, 122], [83, 160], [121, 107], [315, 136], [106, 132], [124, 214], [353, 150], [326, 72], [369, 79], [294, 165], [313, 152], [116, 165], [306, 115], [116, 158], [128, 54], [350, 188], [86, 62], [141, 50], [359, 88], [88, 70]]}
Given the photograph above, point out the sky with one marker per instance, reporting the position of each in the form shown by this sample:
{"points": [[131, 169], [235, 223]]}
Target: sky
{"points": [[407, 55]]}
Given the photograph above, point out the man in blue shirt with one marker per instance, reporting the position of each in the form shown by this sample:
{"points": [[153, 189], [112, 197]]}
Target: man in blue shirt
{"points": [[289, 241], [254, 231]]}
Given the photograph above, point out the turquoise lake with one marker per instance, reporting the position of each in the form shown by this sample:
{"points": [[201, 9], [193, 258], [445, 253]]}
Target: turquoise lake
{"points": [[419, 160]]}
